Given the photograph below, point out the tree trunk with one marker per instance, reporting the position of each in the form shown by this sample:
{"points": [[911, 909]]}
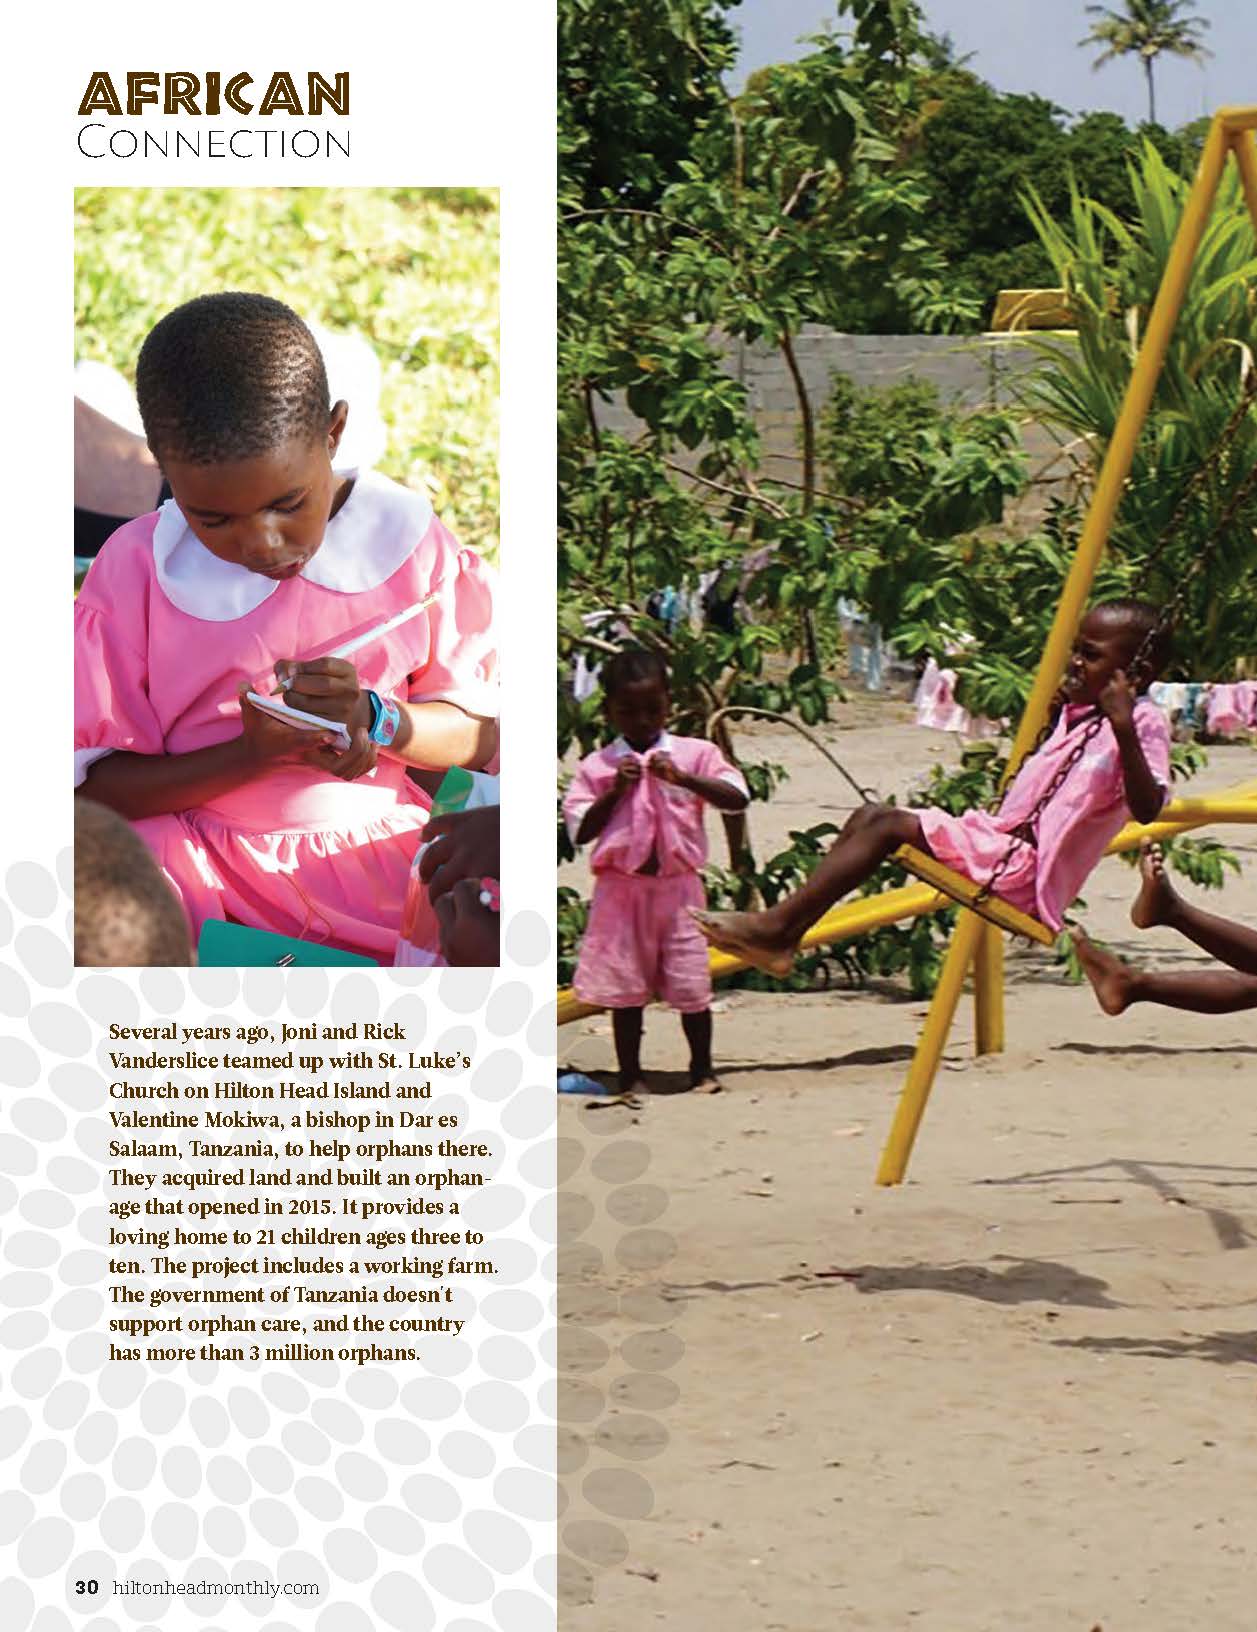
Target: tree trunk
{"points": [[736, 823], [808, 427], [595, 436], [1152, 93]]}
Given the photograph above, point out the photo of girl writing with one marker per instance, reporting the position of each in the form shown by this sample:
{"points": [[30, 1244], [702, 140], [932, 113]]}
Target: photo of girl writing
{"points": [[275, 666]]}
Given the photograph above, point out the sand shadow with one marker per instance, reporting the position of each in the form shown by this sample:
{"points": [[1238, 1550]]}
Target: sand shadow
{"points": [[892, 1054], [1231, 1232], [1162, 1050], [1025, 1280], [1219, 1348]]}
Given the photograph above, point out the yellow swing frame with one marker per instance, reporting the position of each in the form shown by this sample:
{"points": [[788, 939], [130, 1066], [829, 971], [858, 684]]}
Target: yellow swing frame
{"points": [[977, 942]]}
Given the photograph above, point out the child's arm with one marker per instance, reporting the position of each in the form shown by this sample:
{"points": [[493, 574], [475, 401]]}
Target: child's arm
{"points": [[438, 735], [1144, 794], [723, 795], [139, 785], [628, 773], [435, 735]]}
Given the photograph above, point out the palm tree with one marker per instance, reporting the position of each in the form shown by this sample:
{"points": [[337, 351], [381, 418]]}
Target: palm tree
{"points": [[1146, 28]]}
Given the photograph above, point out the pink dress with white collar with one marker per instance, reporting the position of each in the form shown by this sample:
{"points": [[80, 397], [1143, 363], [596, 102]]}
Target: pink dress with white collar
{"points": [[1074, 830], [165, 633], [640, 941]]}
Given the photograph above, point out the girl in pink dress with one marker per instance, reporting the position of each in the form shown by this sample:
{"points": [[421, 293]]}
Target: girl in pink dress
{"points": [[264, 561], [1124, 773], [640, 803]]}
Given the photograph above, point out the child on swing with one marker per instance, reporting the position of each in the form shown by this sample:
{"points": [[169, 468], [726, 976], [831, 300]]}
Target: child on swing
{"points": [[1204, 991], [1124, 773], [266, 560], [640, 803]]}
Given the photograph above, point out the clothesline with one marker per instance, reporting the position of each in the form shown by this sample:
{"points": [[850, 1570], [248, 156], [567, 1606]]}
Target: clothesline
{"points": [[1224, 709]]}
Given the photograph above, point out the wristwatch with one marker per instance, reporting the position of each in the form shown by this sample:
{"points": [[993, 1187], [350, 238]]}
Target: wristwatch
{"points": [[385, 718]]}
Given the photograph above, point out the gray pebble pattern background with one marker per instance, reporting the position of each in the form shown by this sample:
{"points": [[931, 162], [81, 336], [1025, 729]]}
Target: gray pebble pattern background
{"points": [[416, 1497]]}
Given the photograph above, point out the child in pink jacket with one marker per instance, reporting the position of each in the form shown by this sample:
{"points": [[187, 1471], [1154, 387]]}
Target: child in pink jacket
{"points": [[640, 802]]}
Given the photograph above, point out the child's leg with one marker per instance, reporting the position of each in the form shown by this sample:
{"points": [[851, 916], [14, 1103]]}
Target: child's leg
{"points": [[1158, 902], [769, 939], [698, 1031], [1117, 985], [626, 1027]]}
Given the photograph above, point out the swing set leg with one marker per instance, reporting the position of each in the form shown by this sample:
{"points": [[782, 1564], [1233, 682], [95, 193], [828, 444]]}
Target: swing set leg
{"points": [[933, 1039], [988, 992]]}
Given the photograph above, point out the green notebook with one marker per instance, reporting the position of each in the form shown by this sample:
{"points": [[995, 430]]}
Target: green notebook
{"points": [[238, 947]]}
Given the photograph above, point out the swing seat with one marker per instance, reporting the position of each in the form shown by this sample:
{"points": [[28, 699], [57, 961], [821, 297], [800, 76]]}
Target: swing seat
{"points": [[967, 894]]}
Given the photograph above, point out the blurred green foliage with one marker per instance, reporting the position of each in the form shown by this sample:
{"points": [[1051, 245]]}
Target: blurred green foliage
{"points": [[413, 270]]}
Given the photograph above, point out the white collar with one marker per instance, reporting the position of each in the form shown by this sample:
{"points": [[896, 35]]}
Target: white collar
{"points": [[373, 533], [619, 747]]}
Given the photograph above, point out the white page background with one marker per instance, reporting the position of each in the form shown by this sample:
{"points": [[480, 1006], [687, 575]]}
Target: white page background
{"points": [[416, 1498]]}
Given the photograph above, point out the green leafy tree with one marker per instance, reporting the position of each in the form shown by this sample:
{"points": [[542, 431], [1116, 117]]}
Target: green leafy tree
{"points": [[635, 81], [798, 203], [979, 152], [1147, 29]]}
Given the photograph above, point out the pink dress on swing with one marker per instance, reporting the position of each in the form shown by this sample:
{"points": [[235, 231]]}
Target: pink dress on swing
{"points": [[1085, 812], [164, 635]]}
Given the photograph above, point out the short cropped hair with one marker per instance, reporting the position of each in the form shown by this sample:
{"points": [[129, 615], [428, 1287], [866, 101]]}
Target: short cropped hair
{"points": [[228, 377], [629, 667], [125, 914], [1143, 620]]}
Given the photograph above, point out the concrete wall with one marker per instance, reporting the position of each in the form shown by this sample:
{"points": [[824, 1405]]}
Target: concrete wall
{"points": [[971, 370]]}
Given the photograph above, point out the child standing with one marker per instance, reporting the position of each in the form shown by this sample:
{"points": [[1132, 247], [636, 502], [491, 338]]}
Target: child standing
{"points": [[1124, 773], [266, 559], [640, 803]]}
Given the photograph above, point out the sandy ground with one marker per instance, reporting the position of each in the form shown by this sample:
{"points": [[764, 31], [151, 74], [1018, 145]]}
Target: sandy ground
{"points": [[1016, 1392]]}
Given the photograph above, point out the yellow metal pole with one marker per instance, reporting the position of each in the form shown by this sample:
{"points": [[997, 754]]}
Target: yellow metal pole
{"points": [[1095, 532], [1244, 146], [916, 1090], [988, 992]]}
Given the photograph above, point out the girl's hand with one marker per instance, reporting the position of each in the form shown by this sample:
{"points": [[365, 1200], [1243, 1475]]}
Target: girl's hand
{"points": [[465, 844], [628, 774], [1117, 700], [470, 932], [268, 741], [352, 762], [327, 686], [664, 767]]}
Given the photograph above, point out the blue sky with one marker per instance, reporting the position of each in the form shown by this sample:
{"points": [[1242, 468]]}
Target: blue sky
{"points": [[1031, 45]]}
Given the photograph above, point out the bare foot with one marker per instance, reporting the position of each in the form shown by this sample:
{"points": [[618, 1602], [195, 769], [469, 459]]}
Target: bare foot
{"points": [[705, 1082], [1109, 976], [742, 934], [1156, 900]]}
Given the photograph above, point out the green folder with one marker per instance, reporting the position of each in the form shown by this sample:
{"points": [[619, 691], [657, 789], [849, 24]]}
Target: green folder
{"points": [[236, 946]]}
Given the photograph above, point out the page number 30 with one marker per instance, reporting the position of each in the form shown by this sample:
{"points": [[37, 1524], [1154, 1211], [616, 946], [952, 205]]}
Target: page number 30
{"points": [[86, 1589]]}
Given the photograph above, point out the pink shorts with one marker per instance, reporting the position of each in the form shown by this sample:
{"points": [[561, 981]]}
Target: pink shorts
{"points": [[641, 943], [972, 844]]}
